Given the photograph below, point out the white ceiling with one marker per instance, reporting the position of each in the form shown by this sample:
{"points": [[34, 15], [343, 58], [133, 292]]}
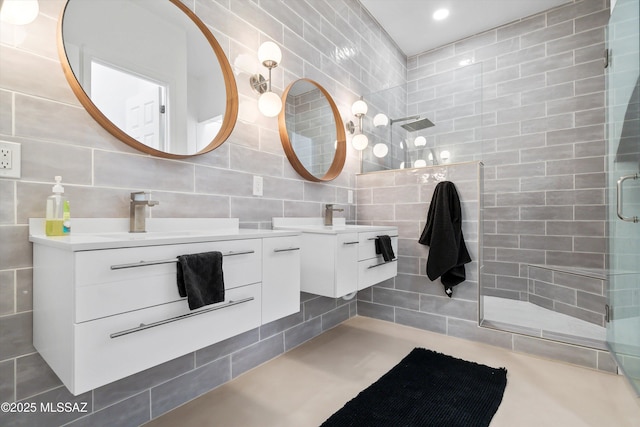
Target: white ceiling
{"points": [[410, 25]]}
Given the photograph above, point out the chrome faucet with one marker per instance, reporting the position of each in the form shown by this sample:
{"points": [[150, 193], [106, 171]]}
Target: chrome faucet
{"points": [[328, 214], [137, 211]]}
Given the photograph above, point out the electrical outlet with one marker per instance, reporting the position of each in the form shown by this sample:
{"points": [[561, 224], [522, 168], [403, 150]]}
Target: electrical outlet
{"points": [[9, 159], [257, 186]]}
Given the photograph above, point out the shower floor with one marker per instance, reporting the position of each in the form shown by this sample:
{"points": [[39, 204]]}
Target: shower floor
{"points": [[530, 319]]}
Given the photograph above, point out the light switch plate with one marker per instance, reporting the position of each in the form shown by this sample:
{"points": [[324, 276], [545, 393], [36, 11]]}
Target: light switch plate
{"points": [[10, 159], [257, 186]]}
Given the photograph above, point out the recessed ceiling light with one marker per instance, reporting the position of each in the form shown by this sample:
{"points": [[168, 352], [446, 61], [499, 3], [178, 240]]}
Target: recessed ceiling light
{"points": [[440, 14]]}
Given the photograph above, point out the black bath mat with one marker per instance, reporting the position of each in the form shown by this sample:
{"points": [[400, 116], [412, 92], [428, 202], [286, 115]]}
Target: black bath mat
{"points": [[427, 389]]}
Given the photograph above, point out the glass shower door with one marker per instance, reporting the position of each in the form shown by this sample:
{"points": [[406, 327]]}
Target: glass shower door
{"points": [[623, 180]]}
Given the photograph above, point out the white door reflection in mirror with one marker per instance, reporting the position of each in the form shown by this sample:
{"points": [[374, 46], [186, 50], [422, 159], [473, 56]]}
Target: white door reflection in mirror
{"points": [[131, 102]]}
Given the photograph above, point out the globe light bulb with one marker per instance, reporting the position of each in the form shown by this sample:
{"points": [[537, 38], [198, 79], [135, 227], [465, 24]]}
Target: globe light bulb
{"points": [[360, 141], [269, 104]]}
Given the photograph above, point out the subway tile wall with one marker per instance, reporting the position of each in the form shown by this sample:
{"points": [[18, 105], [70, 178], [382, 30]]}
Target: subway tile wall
{"points": [[540, 137], [334, 42], [544, 151]]}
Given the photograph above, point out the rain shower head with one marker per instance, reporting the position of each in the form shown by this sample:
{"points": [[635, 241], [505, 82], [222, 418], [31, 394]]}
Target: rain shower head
{"points": [[418, 125]]}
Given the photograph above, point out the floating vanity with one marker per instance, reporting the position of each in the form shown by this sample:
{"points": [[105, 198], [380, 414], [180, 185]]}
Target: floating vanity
{"points": [[106, 303], [340, 259]]}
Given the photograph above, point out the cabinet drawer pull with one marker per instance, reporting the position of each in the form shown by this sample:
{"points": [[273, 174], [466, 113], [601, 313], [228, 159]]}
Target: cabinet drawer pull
{"points": [[351, 243], [286, 249], [382, 263], [374, 238], [142, 326], [168, 261]]}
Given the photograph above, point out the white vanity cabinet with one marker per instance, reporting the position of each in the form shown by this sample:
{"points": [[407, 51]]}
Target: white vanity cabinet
{"points": [[104, 310], [341, 259], [280, 277]]}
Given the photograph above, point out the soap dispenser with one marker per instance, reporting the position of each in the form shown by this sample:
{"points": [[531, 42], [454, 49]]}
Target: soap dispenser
{"points": [[58, 215]]}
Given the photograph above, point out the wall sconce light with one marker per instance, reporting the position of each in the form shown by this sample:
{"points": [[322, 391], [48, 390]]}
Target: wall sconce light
{"points": [[380, 120], [360, 140], [19, 12], [269, 103], [445, 156]]}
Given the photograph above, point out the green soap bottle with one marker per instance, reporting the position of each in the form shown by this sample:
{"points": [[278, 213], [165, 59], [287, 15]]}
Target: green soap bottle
{"points": [[58, 213]]}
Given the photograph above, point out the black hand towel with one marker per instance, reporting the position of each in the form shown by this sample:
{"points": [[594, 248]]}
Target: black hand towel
{"points": [[383, 246], [200, 278], [443, 234]]}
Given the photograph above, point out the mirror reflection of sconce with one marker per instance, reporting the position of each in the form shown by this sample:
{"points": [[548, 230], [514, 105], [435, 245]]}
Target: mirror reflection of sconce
{"points": [[359, 140], [380, 120], [269, 102], [19, 12], [380, 150]]}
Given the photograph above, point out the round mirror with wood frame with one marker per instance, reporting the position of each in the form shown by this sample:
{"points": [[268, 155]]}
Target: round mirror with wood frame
{"points": [[149, 72], [311, 131]]}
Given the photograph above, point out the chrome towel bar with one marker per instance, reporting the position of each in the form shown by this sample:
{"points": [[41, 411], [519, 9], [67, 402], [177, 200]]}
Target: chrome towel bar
{"points": [[168, 261], [142, 326], [374, 238], [382, 263]]}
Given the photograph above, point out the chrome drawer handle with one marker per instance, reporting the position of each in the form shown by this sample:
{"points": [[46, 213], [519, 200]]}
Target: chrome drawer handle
{"points": [[382, 263], [142, 326], [169, 261], [375, 238], [350, 243], [286, 250], [619, 198]]}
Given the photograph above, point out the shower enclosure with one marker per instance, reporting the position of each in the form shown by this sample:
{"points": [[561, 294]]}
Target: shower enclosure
{"points": [[623, 161], [560, 192]]}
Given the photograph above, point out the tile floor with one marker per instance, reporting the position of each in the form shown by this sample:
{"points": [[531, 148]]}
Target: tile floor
{"points": [[306, 385]]}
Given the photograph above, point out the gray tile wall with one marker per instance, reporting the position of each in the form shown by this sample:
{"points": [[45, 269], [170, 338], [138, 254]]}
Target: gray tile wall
{"points": [[545, 197], [334, 42], [401, 198], [578, 294], [542, 115]]}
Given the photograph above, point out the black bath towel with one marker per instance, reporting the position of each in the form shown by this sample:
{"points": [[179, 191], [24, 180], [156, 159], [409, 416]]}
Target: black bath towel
{"points": [[443, 234], [200, 278], [384, 247]]}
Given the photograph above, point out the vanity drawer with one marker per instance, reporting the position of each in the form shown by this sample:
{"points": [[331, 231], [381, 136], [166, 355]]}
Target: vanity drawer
{"points": [[374, 271], [367, 243], [101, 357], [102, 291]]}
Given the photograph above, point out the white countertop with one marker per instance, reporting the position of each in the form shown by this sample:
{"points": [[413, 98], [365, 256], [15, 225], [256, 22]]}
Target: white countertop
{"points": [[316, 225], [111, 233]]}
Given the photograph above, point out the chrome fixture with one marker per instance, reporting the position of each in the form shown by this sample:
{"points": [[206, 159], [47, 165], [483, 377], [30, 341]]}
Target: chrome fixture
{"points": [[635, 218], [328, 213], [137, 212], [269, 102], [359, 140]]}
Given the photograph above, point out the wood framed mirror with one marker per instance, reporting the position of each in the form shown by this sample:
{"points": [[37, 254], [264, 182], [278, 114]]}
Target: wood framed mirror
{"points": [[150, 72], [311, 131]]}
